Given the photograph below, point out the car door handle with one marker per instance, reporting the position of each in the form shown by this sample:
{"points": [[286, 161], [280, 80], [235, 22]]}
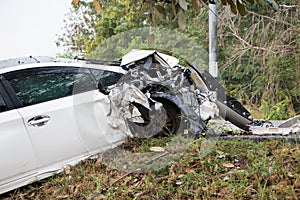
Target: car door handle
{"points": [[38, 121]]}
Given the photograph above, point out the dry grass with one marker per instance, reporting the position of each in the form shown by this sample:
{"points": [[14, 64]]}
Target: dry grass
{"points": [[233, 170]]}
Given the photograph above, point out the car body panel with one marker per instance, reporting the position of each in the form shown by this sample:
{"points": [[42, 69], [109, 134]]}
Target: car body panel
{"points": [[18, 159], [56, 140], [98, 125]]}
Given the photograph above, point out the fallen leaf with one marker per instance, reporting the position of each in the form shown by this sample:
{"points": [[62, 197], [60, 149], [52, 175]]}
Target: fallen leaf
{"points": [[189, 170], [32, 194], [68, 170], [228, 165], [62, 196], [171, 169], [180, 175], [204, 188], [179, 183], [222, 156], [157, 149], [297, 184], [98, 163]]}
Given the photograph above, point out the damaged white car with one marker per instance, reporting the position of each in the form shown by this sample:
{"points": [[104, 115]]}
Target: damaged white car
{"points": [[56, 112], [48, 118]]}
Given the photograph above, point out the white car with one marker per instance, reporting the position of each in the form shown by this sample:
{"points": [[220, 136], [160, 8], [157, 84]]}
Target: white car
{"points": [[52, 115], [56, 112]]}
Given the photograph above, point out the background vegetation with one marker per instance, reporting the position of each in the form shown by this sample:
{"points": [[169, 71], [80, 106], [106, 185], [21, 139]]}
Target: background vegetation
{"points": [[258, 53]]}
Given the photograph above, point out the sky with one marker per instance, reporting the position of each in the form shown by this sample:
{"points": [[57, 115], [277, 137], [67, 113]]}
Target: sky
{"points": [[30, 27]]}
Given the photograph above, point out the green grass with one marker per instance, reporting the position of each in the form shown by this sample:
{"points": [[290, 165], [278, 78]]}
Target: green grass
{"points": [[232, 170]]}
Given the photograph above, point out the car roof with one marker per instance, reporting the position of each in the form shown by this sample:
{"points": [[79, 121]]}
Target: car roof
{"points": [[32, 60], [46, 61]]}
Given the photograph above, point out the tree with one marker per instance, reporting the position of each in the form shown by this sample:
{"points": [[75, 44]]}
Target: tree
{"points": [[85, 28], [165, 10], [258, 53], [259, 58]]}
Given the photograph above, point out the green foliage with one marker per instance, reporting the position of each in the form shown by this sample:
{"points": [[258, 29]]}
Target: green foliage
{"points": [[78, 30], [118, 16], [261, 60], [258, 54], [277, 111], [84, 29], [168, 41]]}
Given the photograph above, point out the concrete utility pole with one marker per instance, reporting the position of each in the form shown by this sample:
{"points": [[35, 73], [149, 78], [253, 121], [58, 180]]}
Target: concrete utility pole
{"points": [[213, 64]]}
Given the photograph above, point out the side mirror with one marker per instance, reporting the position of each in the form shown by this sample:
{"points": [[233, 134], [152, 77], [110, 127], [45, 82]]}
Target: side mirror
{"points": [[103, 89]]}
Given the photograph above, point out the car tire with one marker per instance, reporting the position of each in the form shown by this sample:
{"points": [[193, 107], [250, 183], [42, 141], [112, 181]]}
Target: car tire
{"points": [[153, 126]]}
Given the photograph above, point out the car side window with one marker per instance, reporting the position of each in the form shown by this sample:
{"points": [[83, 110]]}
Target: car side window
{"points": [[3, 106], [33, 86], [107, 78]]}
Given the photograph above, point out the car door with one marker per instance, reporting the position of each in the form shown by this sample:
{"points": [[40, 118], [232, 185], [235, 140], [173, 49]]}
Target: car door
{"points": [[99, 124], [16, 152], [45, 94]]}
